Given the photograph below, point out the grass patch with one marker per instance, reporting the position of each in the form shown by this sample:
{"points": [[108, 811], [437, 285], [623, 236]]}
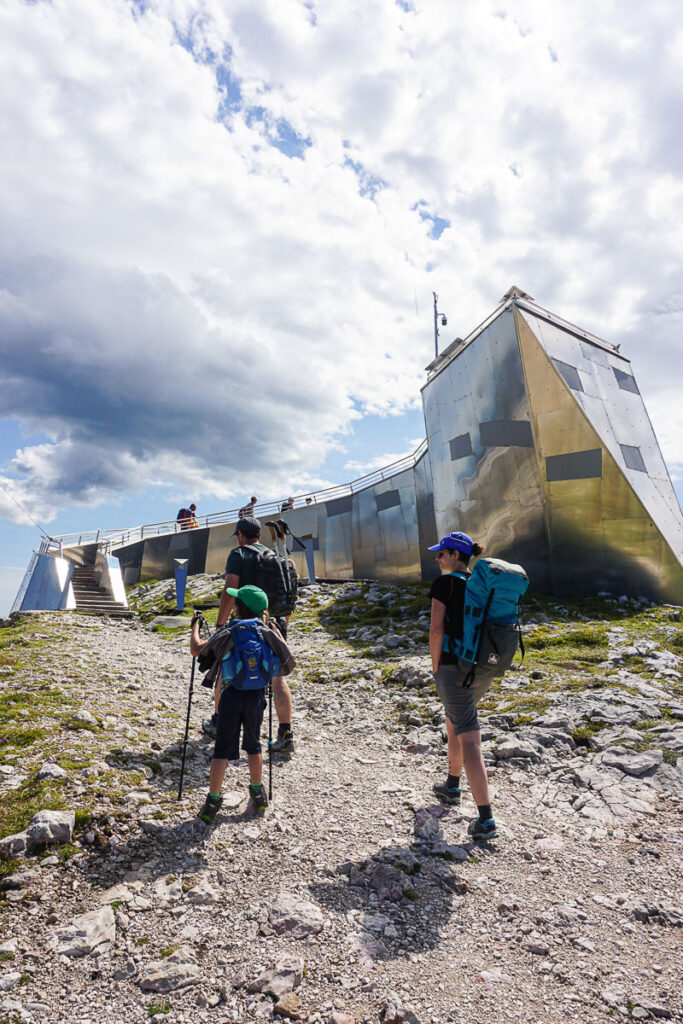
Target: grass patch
{"points": [[583, 733], [670, 756], [19, 805], [160, 1006], [169, 950]]}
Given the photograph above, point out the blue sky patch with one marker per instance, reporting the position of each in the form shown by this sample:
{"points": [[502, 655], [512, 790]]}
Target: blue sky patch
{"points": [[369, 184], [439, 224], [279, 133]]}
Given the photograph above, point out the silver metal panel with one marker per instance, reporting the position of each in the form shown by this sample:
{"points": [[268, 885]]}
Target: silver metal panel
{"points": [[494, 493]]}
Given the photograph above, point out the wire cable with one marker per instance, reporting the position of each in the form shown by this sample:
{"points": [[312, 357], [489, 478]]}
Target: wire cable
{"points": [[25, 511]]}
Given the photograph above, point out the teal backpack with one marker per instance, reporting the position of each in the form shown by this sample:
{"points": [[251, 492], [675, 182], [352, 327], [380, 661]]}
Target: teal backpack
{"points": [[490, 625]]}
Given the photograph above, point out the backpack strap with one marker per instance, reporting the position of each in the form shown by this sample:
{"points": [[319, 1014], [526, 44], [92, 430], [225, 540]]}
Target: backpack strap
{"points": [[469, 680]]}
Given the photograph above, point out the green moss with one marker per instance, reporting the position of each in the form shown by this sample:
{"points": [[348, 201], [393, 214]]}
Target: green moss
{"points": [[169, 950], [83, 817], [670, 756], [158, 1006], [583, 733], [19, 805]]}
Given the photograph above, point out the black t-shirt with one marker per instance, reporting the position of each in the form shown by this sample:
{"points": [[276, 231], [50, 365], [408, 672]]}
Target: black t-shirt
{"points": [[450, 590], [243, 562]]}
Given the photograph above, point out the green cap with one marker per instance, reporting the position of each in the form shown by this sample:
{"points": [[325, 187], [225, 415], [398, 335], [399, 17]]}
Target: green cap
{"points": [[255, 599]]}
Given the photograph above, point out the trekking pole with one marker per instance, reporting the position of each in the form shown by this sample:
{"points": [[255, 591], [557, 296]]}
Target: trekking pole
{"points": [[270, 739], [187, 719], [275, 537], [282, 531]]}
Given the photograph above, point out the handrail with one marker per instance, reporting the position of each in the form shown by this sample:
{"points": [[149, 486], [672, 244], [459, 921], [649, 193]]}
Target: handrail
{"points": [[108, 539]]}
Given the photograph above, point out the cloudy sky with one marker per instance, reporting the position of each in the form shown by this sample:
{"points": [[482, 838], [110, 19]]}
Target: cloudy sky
{"points": [[222, 222]]}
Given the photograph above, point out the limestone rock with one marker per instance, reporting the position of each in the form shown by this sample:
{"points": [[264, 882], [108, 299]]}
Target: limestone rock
{"points": [[632, 763], [50, 827], [283, 977], [9, 981], [295, 916], [85, 717], [50, 771], [179, 970], [12, 846], [517, 748], [93, 932]]}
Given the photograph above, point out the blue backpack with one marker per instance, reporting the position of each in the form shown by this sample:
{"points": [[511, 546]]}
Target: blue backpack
{"points": [[490, 624], [250, 664]]}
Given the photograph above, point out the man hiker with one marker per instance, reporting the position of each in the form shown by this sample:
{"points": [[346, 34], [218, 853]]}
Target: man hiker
{"points": [[246, 670], [240, 571]]}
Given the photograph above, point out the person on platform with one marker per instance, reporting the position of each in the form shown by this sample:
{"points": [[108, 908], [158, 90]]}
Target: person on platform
{"points": [[186, 517]]}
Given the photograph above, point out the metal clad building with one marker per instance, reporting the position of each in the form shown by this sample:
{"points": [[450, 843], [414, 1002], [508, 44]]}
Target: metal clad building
{"points": [[538, 445]]}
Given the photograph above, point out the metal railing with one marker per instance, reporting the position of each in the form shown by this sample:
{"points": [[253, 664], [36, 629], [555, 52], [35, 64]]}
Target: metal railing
{"points": [[110, 539]]}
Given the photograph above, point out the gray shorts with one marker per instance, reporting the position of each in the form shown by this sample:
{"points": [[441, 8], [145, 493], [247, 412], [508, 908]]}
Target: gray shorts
{"points": [[460, 702]]}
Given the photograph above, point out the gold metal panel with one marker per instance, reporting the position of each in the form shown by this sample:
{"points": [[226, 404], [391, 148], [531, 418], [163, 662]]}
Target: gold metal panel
{"points": [[599, 530]]}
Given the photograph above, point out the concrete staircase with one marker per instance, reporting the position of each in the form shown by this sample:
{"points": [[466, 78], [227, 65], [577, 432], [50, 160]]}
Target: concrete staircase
{"points": [[91, 597]]}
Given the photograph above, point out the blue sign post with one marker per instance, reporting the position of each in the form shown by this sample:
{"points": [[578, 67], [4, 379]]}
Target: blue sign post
{"points": [[180, 572]]}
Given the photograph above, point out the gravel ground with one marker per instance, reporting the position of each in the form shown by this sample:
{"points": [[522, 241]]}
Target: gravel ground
{"points": [[357, 897]]}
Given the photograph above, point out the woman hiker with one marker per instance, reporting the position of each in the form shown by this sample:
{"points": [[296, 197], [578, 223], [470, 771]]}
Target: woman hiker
{"points": [[447, 593]]}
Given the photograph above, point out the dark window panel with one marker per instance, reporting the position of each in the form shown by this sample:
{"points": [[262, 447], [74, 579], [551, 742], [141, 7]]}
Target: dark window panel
{"points": [[506, 434], [633, 457], [339, 506], [570, 374], [625, 381], [461, 447], [387, 500], [574, 465]]}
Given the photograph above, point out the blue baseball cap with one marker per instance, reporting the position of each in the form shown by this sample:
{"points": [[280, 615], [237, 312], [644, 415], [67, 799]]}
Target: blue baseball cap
{"points": [[454, 542]]}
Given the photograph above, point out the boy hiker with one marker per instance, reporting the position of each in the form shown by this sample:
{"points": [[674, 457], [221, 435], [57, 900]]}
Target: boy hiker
{"points": [[241, 570], [247, 667]]}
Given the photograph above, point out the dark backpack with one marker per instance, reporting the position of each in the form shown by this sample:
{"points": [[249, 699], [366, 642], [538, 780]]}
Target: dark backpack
{"points": [[490, 622], [183, 513], [279, 579]]}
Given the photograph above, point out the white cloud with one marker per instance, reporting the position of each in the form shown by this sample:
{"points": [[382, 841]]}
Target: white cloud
{"points": [[184, 304]]}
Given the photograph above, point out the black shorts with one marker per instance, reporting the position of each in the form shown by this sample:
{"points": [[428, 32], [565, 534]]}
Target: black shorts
{"points": [[239, 708]]}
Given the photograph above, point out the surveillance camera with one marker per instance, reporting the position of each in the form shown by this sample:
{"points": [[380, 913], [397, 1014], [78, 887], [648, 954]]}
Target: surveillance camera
{"points": [[444, 321]]}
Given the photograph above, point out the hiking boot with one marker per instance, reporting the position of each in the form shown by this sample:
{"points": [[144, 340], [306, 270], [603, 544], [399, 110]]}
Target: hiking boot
{"points": [[483, 829], [210, 809], [258, 800], [447, 794], [209, 725], [283, 744]]}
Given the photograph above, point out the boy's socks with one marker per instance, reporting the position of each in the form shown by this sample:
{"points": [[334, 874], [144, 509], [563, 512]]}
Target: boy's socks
{"points": [[255, 786], [453, 782], [484, 812], [284, 729], [215, 797]]}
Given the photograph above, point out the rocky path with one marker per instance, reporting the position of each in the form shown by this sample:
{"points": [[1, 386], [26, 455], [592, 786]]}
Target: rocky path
{"points": [[356, 898]]}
